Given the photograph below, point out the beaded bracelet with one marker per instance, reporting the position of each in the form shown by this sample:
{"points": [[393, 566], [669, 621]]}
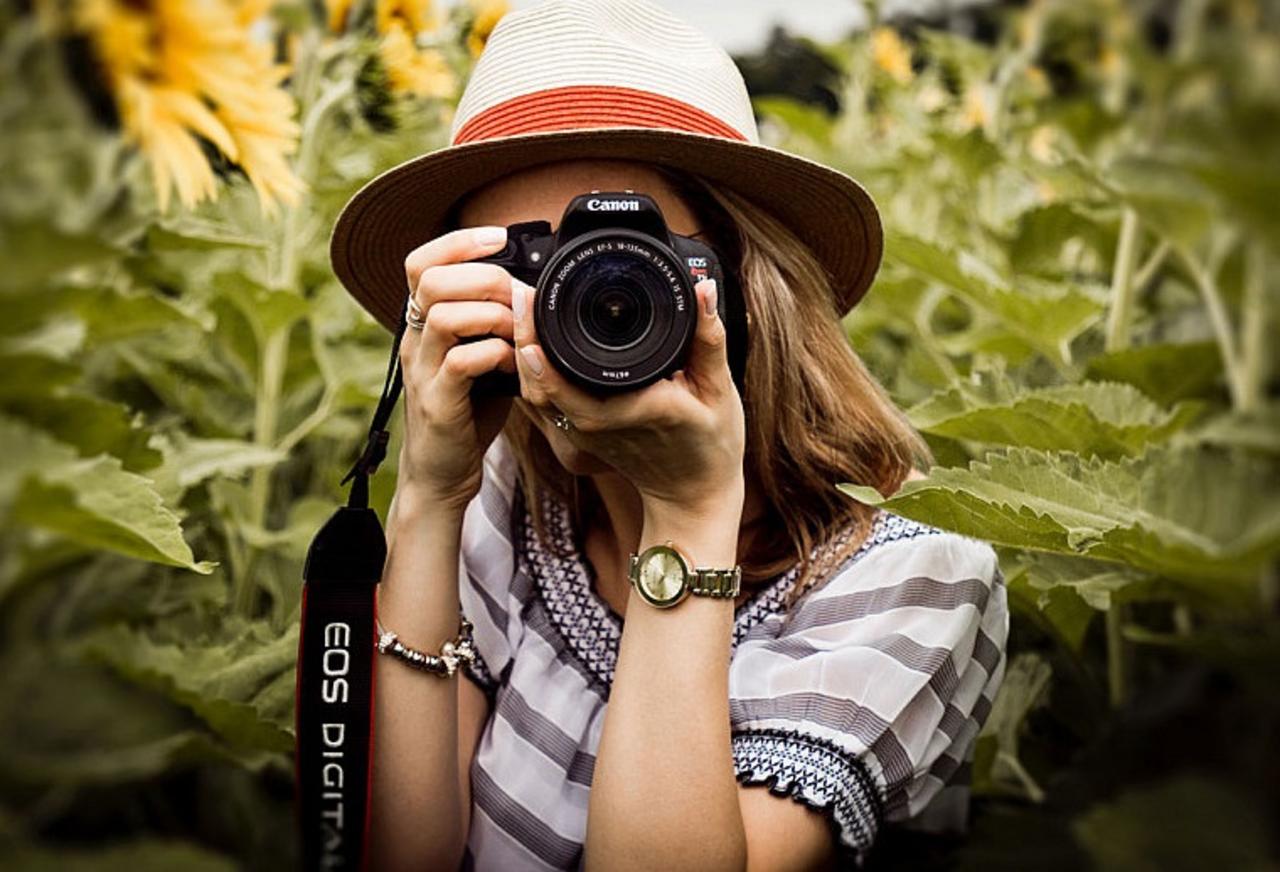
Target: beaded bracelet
{"points": [[445, 664]]}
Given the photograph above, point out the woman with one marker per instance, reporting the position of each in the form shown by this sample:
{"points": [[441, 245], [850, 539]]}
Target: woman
{"points": [[852, 670]]}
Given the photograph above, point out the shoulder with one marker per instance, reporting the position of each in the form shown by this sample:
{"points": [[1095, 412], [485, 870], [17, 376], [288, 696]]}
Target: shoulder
{"points": [[898, 551]]}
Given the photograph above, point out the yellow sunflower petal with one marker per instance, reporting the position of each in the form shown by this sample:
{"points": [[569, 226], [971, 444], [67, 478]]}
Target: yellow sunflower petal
{"points": [[336, 12]]}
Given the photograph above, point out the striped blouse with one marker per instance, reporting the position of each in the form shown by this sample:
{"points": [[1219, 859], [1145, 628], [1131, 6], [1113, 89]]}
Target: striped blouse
{"points": [[863, 701]]}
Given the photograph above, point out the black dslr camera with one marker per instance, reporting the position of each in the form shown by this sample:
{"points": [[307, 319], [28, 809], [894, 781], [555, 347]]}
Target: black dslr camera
{"points": [[615, 308]]}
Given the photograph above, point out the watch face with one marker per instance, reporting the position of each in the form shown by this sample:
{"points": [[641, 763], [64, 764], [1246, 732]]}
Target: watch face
{"points": [[661, 578]]}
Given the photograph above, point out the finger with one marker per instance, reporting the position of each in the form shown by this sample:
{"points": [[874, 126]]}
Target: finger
{"points": [[708, 364], [521, 301], [458, 245], [463, 364], [450, 321], [531, 363], [462, 281]]}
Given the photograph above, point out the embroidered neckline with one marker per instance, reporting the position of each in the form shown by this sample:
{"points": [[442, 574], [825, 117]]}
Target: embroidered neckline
{"points": [[590, 627]]}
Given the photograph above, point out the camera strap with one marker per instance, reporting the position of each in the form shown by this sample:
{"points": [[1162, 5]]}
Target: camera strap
{"points": [[335, 677]]}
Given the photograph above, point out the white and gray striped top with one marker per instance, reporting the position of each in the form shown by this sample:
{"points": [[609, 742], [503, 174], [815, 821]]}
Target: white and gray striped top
{"points": [[863, 701]]}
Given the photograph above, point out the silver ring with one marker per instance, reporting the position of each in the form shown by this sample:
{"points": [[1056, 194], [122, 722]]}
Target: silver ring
{"points": [[414, 316], [562, 421]]}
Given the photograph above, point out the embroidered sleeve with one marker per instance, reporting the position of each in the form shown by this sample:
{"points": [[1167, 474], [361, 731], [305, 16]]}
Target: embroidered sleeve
{"points": [[486, 569], [864, 698]]}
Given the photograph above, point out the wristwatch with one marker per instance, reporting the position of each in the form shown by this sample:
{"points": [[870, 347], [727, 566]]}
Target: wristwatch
{"points": [[664, 576]]}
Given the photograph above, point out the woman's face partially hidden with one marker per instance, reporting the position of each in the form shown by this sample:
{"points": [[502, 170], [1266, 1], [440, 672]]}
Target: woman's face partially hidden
{"points": [[541, 194]]}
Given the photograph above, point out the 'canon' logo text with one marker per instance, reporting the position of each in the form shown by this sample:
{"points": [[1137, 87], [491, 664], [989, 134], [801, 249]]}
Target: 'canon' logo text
{"points": [[596, 205]]}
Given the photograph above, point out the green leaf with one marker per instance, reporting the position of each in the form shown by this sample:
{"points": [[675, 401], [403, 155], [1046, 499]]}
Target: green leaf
{"points": [[187, 232], [1167, 372], [1056, 610], [93, 425], [229, 684], [190, 460], [801, 120], [1166, 196], [1209, 518], [1048, 320], [1258, 430], [91, 501], [1043, 232], [74, 723], [268, 310], [1104, 419], [1097, 584], [152, 855], [1189, 822], [34, 252], [34, 375], [115, 315]]}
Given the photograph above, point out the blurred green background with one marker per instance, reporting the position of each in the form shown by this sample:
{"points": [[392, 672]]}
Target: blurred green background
{"points": [[1078, 308]]}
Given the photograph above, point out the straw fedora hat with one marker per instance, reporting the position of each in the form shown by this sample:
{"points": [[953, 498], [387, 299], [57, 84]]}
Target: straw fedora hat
{"points": [[619, 79]]}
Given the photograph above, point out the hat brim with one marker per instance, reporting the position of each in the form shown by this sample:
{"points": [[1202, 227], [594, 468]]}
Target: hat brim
{"points": [[407, 205]]}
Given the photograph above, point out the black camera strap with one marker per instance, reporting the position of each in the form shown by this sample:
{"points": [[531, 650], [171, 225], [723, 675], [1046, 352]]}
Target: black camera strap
{"points": [[334, 691]]}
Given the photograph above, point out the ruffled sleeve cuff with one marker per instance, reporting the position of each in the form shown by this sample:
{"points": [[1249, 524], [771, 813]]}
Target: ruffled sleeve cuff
{"points": [[817, 773]]}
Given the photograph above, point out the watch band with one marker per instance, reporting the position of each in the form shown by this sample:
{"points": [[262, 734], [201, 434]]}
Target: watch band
{"points": [[704, 581]]}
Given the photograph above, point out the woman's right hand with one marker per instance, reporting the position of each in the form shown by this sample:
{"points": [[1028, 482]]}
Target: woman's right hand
{"points": [[446, 435]]}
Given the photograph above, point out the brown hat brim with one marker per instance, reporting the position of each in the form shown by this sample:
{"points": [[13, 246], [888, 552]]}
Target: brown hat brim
{"points": [[407, 205]]}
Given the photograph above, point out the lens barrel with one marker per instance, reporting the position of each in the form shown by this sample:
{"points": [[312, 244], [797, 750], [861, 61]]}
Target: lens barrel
{"points": [[615, 310]]}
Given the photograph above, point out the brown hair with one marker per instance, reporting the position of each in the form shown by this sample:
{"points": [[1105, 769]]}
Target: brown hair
{"points": [[815, 416]]}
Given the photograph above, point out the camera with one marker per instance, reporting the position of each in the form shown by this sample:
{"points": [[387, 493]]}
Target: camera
{"points": [[615, 308]]}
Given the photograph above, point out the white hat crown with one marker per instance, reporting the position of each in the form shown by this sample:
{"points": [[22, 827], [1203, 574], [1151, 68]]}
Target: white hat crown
{"points": [[590, 63]]}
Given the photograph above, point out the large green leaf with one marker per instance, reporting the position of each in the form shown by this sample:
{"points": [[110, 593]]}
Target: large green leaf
{"points": [[1166, 372], [229, 684], [92, 501], [92, 424], [1210, 518], [74, 723], [1105, 419], [1049, 320]]}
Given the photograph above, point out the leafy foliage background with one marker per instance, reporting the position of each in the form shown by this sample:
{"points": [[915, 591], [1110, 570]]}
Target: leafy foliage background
{"points": [[1077, 306]]}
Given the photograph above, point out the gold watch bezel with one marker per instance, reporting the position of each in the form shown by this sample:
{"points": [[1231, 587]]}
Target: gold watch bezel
{"points": [[649, 554]]}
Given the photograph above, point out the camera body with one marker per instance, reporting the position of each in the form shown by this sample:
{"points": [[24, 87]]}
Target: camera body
{"points": [[615, 308]]}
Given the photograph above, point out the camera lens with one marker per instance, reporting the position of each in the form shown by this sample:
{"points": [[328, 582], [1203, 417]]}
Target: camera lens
{"points": [[615, 310]]}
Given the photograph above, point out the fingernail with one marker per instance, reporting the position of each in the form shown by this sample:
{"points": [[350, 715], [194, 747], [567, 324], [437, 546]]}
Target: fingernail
{"points": [[531, 357], [491, 235], [711, 297], [517, 299]]}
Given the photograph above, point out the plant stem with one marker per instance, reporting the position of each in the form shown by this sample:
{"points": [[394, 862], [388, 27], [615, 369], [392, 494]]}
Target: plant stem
{"points": [[1116, 654], [266, 418], [1123, 287], [1221, 321], [1253, 329], [1034, 791], [1182, 619], [1150, 265]]}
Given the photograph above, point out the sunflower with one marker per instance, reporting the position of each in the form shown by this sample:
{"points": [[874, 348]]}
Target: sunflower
{"points": [[424, 73], [185, 70], [409, 69], [891, 54], [487, 15]]}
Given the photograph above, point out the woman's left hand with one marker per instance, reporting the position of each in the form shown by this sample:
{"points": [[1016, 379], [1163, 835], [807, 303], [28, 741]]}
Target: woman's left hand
{"points": [[679, 441]]}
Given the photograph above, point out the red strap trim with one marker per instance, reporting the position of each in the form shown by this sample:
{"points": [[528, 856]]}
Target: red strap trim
{"points": [[584, 106]]}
